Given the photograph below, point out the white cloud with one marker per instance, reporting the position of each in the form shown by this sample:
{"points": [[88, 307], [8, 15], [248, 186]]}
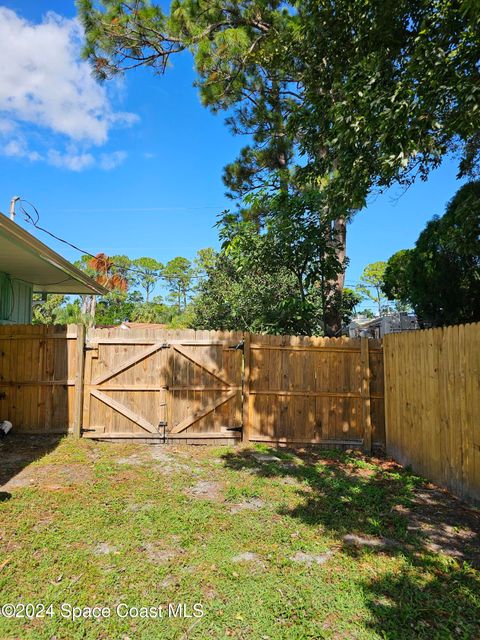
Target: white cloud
{"points": [[17, 148], [70, 160], [111, 160], [45, 86]]}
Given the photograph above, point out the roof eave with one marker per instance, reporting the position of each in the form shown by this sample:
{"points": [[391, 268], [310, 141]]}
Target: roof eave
{"points": [[44, 252]]}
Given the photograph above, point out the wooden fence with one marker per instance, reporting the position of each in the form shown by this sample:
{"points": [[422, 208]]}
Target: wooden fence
{"points": [[209, 386], [192, 386], [38, 373], [151, 383], [314, 390], [432, 397]]}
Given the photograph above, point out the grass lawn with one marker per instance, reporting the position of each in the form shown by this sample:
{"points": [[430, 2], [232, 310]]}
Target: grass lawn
{"points": [[308, 545]]}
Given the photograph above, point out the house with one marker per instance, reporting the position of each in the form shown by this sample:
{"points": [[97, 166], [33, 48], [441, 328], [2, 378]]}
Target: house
{"points": [[378, 327], [28, 266]]}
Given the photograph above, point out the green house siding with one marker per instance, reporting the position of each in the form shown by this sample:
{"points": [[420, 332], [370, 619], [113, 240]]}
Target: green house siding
{"points": [[15, 300]]}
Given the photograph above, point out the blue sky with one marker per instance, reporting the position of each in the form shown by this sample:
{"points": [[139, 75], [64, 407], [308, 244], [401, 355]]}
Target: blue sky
{"points": [[136, 168]]}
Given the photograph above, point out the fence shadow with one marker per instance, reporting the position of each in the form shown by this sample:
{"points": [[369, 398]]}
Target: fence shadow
{"points": [[371, 508], [18, 451]]}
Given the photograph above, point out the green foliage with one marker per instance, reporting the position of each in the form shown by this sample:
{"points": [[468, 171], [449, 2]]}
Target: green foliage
{"points": [[142, 276], [204, 260], [371, 283], [396, 283], [389, 89], [117, 307], [252, 300], [274, 279], [153, 312], [349, 299], [440, 277], [372, 92], [45, 310], [148, 273], [178, 274]]}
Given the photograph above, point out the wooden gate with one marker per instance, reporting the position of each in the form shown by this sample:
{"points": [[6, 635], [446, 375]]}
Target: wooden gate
{"points": [[167, 385]]}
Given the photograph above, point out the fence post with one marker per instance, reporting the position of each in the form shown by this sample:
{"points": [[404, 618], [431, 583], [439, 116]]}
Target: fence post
{"points": [[79, 377], [246, 389], [365, 392]]}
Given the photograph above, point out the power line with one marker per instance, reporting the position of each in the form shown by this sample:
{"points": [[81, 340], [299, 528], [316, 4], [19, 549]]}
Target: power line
{"points": [[139, 209], [35, 220]]}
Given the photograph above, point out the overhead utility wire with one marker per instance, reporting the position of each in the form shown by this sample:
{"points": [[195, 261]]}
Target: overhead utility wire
{"points": [[34, 222]]}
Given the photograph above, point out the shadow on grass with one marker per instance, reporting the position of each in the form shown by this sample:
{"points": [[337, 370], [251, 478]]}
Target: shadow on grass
{"points": [[17, 451], [369, 501]]}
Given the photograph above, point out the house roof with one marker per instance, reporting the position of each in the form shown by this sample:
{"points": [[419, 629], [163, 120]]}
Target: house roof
{"points": [[25, 258]]}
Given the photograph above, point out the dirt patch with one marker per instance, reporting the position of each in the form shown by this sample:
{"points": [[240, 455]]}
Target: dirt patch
{"points": [[49, 476], [134, 459], [369, 542], [311, 559], [205, 490], [247, 556], [169, 581], [104, 549], [157, 553], [246, 505], [135, 507], [252, 560], [446, 523], [159, 454]]}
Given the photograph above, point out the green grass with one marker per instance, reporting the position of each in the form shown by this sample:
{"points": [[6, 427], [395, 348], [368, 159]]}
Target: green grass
{"points": [[168, 545]]}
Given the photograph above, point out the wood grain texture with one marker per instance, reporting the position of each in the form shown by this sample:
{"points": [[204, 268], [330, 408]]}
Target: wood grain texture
{"points": [[312, 390], [432, 389], [38, 373], [276, 388]]}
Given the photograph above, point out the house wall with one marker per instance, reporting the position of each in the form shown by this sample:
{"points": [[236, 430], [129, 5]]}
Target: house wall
{"points": [[15, 300]]}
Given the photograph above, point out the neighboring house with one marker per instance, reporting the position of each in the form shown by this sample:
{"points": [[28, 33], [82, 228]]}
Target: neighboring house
{"points": [[378, 327], [28, 266]]}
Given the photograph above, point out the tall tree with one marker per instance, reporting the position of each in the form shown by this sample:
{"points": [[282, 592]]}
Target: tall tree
{"points": [[112, 273], [275, 281], [440, 276], [148, 273], [240, 50], [179, 274], [389, 89], [360, 94], [371, 283]]}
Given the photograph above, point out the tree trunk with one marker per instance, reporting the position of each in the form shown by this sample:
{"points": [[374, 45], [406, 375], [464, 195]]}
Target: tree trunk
{"points": [[333, 315], [89, 306]]}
